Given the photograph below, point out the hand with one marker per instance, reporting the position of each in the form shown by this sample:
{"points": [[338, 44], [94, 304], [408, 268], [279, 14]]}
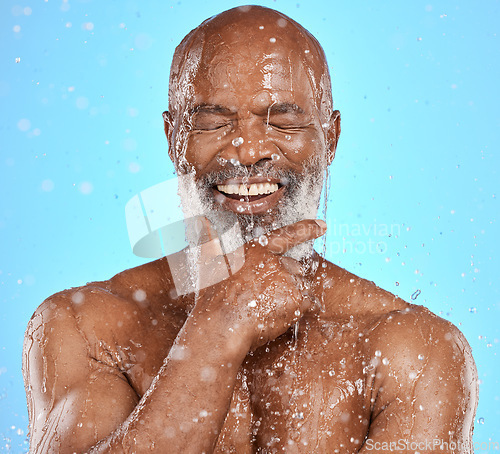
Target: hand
{"points": [[269, 293]]}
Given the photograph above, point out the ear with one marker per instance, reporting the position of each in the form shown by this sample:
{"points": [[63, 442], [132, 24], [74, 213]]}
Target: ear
{"points": [[332, 135], [168, 125]]}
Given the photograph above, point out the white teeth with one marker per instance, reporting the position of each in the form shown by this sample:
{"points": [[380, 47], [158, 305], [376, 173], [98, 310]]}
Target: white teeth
{"points": [[243, 189], [253, 189]]}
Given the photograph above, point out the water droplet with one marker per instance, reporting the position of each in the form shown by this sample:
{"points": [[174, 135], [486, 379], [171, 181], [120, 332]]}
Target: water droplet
{"points": [[378, 353], [179, 353], [331, 373], [297, 313], [397, 284], [82, 102], [47, 185], [275, 156], [86, 187], [234, 162], [298, 415], [420, 357], [252, 303], [133, 167], [23, 124], [237, 141], [18, 59], [385, 361], [139, 295], [472, 310], [272, 40], [263, 240], [480, 420], [208, 374], [78, 297], [415, 294]]}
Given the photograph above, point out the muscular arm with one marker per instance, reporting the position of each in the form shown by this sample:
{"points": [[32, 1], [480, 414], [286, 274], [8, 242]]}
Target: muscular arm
{"points": [[76, 400], [425, 387], [79, 403]]}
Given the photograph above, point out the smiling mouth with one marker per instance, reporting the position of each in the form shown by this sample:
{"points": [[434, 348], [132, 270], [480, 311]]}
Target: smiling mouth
{"points": [[248, 192], [252, 197]]}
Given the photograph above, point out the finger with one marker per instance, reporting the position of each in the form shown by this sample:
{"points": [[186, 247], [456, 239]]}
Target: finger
{"points": [[285, 238]]}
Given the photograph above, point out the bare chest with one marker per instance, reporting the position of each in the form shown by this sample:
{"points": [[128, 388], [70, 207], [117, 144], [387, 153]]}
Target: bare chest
{"points": [[310, 395]]}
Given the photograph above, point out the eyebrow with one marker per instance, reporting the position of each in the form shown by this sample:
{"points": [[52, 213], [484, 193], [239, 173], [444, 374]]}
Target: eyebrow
{"points": [[276, 108], [211, 108], [285, 107]]}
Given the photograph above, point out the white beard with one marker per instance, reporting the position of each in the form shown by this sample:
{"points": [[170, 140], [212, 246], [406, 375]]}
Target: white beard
{"points": [[300, 203], [233, 230]]}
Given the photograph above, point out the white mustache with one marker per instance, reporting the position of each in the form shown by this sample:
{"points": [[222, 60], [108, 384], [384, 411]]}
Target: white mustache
{"points": [[217, 177]]}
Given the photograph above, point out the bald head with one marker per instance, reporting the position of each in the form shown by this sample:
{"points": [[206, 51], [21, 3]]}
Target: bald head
{"points": [[243, 36]]}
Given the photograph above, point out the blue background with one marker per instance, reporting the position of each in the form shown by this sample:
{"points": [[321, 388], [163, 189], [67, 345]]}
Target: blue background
{"points": [[82, 88]]}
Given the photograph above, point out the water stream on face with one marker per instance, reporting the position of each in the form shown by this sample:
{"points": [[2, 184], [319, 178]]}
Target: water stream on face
{"points": [[325, 208], [295, 335]]}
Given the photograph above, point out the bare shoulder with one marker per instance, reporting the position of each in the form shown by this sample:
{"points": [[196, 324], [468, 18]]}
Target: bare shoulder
{"points": [[417, 334], [411, 335], [417, 356], [397, 325], [128, 306], [420, 367], [406, 342], [105, 340]]}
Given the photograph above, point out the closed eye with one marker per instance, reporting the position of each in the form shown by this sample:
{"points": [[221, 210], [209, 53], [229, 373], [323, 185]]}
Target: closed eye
{"points": [[288, 118], [287, 127], [210, 126], [211, 118]]}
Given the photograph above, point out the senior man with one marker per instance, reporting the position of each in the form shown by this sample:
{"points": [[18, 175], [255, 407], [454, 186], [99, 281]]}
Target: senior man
{"points": [[290, 353]]}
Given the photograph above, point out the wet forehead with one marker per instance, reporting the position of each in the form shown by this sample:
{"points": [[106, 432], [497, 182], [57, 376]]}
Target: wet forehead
{"points": [[252, 78]]}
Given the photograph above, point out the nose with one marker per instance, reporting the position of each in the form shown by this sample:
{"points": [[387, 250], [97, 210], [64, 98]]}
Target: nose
{"points": [[250, 142]]}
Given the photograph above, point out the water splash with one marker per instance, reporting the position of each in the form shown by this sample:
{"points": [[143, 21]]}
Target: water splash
{"points": [[415, 294], [238, 141]]}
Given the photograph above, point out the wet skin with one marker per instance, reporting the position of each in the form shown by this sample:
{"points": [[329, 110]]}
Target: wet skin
{"points": [[126, 366]]}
